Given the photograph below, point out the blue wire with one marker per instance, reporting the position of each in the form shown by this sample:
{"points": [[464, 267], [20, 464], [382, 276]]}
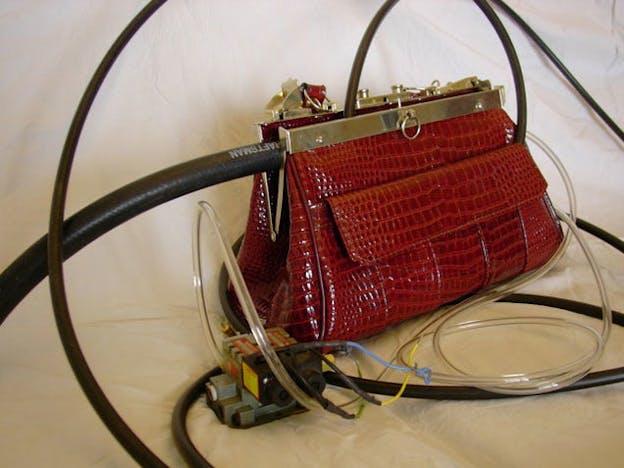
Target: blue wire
{"points": [[425, 372]]}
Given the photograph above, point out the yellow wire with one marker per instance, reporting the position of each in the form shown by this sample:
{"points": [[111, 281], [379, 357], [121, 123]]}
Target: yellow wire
{"points": [[410, 363]]}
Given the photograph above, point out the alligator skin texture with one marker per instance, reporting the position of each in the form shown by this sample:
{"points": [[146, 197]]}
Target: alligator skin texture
{"points": [[382, 228]]}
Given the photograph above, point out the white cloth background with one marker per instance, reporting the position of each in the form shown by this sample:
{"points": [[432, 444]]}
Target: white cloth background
{"points": [[194, 81]]}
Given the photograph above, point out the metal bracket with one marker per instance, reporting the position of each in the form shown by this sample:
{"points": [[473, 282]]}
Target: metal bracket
{"points": [[274, 224]]}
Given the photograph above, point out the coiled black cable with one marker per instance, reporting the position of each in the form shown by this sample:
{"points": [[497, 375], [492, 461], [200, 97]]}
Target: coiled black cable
{"points": [[83, 373], [107, 413], [68, 237], [110, 211], [178, 420]]}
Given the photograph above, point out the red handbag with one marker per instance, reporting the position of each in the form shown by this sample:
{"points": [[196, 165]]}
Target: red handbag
{"points": [[393, 213]]}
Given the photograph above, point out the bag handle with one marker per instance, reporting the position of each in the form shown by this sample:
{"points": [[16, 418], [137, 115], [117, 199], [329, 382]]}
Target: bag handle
{"points": [[360, 56]]}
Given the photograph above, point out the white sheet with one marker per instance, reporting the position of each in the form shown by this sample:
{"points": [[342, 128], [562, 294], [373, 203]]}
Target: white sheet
{"points": [[194, 81]]}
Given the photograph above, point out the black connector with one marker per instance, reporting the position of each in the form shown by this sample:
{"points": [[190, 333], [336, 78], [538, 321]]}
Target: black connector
{"points": [[248, 394], [305, 365]]}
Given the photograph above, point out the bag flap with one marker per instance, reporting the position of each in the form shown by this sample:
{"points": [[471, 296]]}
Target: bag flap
{"points": [[386, 220]]}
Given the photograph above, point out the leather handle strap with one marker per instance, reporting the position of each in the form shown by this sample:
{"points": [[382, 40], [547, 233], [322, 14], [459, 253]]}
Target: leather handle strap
{"points": [[512, 56]]}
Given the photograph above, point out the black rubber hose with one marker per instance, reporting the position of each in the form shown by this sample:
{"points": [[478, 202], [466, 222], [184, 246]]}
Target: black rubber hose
{"points": [[178, 420], [591, 102], [463, 393], [360, 56], [589, 310], [516, 69], [510, 51], [107, 413], [600, 233], [123, 204]]}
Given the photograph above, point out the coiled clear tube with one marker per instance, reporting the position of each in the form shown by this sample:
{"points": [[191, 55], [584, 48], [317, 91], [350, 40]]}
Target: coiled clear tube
{"points": [[546, 380]]}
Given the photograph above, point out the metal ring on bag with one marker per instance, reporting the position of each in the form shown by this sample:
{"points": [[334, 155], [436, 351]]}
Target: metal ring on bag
{"points": [[410, 116]]}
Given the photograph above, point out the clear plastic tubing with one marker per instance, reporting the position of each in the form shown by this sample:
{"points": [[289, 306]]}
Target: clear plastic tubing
{"points": [[545, 380], [198, 283], [249, 310], [533, 382]]}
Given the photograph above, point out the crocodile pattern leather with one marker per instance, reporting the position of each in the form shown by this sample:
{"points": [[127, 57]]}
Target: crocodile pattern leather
{"points": [[381, 229]]}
